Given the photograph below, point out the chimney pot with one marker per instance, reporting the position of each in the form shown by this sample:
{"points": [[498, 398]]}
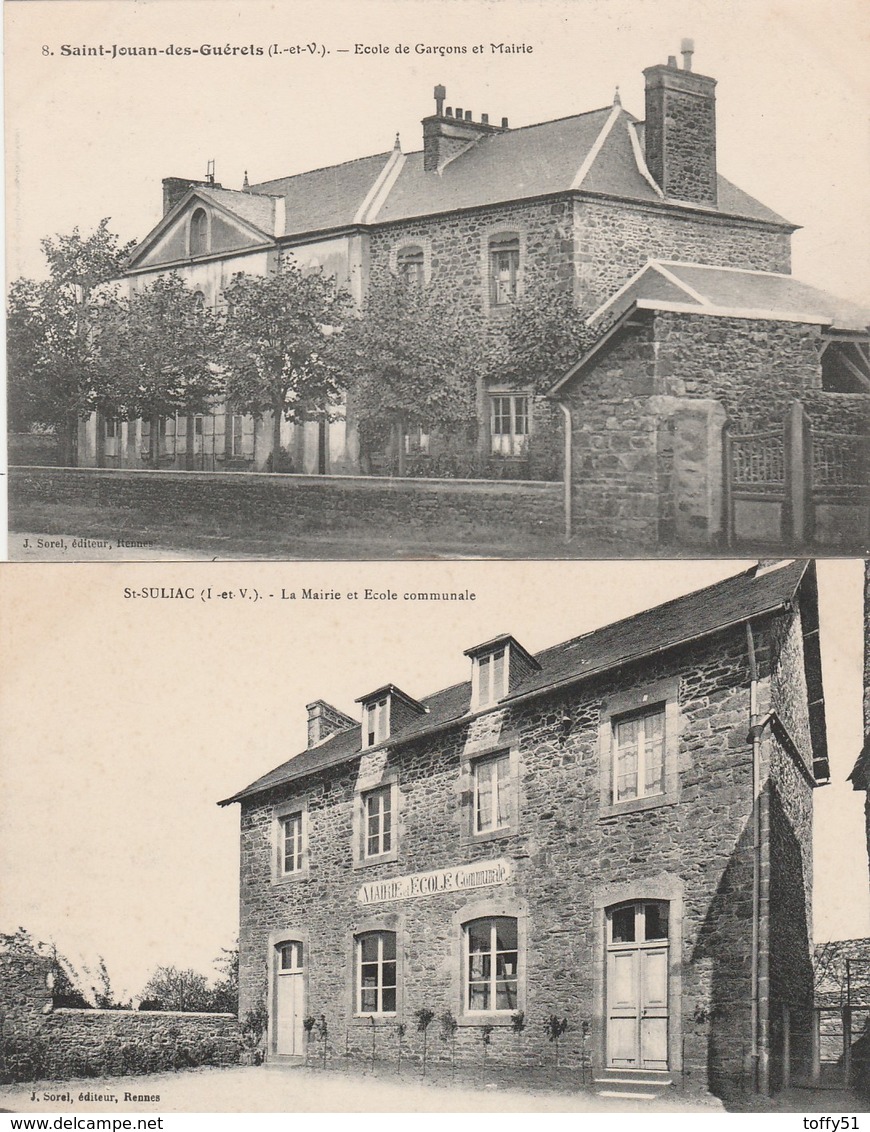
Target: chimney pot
{"points": [[440, 95], [504, 124], [687, 48], [467, 115], [672, 61], [485, 119], [459, 112], [449, 112]]}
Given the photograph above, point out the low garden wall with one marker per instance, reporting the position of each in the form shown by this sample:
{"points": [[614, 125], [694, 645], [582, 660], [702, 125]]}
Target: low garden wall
{"points": [[96, 1043], [304, 503]]}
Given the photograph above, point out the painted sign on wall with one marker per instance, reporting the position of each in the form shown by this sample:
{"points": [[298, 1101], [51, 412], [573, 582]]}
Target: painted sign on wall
{"points": [[479, 874]]}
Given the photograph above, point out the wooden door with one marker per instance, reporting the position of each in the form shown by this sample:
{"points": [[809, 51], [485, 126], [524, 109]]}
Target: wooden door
{"points": [[637, 987], [289, 1000]]}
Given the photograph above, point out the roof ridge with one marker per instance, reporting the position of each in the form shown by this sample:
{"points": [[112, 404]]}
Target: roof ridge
{"points": [[323, 168]]}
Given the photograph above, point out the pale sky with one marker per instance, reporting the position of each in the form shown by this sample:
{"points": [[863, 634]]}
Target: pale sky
{"points": [[125, 721], [92, 137]]}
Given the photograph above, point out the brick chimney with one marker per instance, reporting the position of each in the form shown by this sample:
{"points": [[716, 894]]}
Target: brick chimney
{"points": [[174, 189], [680, 129], [324, 720], [447, 133]]}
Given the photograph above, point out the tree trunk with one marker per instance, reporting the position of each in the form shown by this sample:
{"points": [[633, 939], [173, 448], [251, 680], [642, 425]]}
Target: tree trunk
{"points": [[69, 442], [189, 455], [277, 411], [155, 441], [400, 441], [100, 439]]}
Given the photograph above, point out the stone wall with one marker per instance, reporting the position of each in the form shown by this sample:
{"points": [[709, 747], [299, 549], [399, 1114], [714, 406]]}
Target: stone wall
{"points": [[102, 1042], [755, 367], [573, 857], [473, 509], [614, 239]]}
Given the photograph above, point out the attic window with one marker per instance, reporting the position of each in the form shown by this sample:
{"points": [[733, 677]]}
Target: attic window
{"points": [[490, 677], [199, 232], [376, 726]]}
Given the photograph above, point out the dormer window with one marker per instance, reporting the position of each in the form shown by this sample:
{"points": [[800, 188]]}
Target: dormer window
{"points": [[385, 712], [497, 667], [377, 722]]}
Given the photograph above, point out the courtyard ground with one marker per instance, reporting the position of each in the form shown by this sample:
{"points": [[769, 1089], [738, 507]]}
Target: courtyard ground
{"points": [[282, 1088]]}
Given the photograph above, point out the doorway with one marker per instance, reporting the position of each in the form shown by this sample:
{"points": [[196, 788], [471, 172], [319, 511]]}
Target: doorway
{"points": [[637, 986], [289, 1000]]}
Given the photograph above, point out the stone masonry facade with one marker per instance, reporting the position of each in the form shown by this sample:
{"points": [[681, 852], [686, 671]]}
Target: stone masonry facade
{"points": [[573, 856]]}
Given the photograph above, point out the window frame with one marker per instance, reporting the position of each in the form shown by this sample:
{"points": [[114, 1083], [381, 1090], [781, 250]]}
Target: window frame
{"points": [[498, 244], [204, 232], [661, 695], [518, 442], [505, 907], [473, 756], [291, 808], [641, 747], [494, 696], [411, 256], [367, 786], [358, 937], [498, 758], [382, 717]]}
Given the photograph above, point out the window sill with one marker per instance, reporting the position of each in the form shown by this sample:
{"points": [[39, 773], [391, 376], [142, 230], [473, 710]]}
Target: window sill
{"points": [[497, 1018], [636, 805], [291, 878], [381, 859], [494, 834]]}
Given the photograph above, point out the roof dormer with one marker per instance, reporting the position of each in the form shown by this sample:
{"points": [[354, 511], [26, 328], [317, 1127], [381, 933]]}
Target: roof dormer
{"points": [[385, 712], [497, 667]]}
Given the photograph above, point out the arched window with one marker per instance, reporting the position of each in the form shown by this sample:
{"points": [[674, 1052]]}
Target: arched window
{"points": [[376, 973], [410, 265], [199, 232], [199, 298], [504, 267], [491, 964]]}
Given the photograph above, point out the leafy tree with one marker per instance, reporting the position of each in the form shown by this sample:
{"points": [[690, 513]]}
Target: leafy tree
{"points": [[172, 989], [225, 992], [412, 358], [161, 347], [544, 334], [54, 363], [277, 346]]}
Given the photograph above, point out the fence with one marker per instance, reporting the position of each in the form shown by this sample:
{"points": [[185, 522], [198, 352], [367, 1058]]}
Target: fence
{"points": [[797, 484]]}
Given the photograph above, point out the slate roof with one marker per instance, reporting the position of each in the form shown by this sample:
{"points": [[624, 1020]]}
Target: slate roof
{"points": [[325, 198], [716, 289], [733, 601], [530, 161]]}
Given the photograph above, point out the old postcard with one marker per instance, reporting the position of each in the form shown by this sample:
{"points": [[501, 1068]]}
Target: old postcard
{"points": [[468, 837], [400, 280]]}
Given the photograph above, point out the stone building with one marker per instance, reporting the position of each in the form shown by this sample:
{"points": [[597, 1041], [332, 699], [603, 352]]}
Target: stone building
{"points": [[616, 831], [486, 210]]}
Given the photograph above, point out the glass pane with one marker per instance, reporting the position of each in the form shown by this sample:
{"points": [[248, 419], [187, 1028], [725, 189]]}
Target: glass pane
{"points": [[626, 733], [622, 921], [369, 977], [484, 795], [479, 935], [478, 996], [369, 1001], [654, 767], [372, 845], [479, 965], [505, 934], [498, 674], [506, 994], [626, 774], [506, 965], [368, 948], [521, 416], [389, 939], [389, 1006], [389, 975], [656, 919]]}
